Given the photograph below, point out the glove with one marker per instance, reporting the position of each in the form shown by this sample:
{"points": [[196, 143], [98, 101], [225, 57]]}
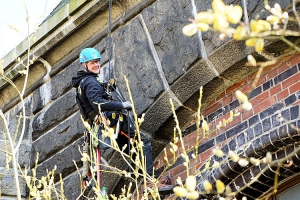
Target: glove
{"points": [[127, 105]]}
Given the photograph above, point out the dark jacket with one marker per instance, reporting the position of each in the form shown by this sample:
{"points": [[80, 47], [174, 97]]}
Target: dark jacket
{"points": [[91, 93]]}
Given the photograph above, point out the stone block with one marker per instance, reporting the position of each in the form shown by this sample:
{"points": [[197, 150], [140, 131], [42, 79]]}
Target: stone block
{"points": [[61, 82], [71, 186], [54, 114], [58, 138], [8, 187], [137, 63], [24, 154], [63, 161], [174, 49], [157, 115]]}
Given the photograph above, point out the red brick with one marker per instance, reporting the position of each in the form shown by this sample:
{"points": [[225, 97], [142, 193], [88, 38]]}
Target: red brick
{"points": [[235, 86], [226, 100], [177, 170], [211, 103], [294, 88], [190, 137], [192, 144], [261, 80], [182, 175], [295, 60], [266, 70], [282, 68], [247, 89], [179, 145], [274, 72], [192, 170], [262, 106], [259, 98], [192, 163], [220, 119], [221, 96], [283, 94], [274, 99], [206, 154], [258, 80], [235, 121], [212, 108], [290, 81], [247, 114], [276, 89]]}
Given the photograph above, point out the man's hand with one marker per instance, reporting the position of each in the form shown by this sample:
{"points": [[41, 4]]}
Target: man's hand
{"points": [[127, 105]]}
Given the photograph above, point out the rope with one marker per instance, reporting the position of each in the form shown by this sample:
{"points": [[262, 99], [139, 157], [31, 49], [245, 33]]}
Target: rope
{"points": [[109, 38]]}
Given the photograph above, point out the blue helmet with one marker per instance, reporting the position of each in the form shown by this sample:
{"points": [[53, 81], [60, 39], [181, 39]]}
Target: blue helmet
{"points": [[88, 54]]}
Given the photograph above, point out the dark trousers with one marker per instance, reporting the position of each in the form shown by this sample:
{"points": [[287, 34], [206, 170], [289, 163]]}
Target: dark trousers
{"points": [[123, 139]]}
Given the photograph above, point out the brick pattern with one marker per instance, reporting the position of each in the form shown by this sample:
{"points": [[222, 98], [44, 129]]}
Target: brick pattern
{"points": [[253, 133]]}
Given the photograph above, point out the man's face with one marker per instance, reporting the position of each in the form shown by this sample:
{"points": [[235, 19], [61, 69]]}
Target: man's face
{"points": [[93, 66]]}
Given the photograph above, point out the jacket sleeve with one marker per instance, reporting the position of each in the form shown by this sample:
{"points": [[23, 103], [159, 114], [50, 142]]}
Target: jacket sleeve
{"points": [[95, 94]]}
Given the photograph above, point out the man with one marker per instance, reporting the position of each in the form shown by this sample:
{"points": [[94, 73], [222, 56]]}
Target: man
{"points": [[91, 94]]}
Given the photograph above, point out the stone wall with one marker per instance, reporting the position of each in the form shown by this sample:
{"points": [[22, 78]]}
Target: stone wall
{"points": [[148, 48]]}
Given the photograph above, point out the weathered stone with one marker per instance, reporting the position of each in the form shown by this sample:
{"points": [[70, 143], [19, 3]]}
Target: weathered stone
{"points": [[41, 97], [8, 186], [61, 83], [159, 112], [165, 20], [63, 161], [58, 138], [135, 60], [200, 74], [16, 127], [71, 186], [54, 114], [24, 154], [3, 156]]}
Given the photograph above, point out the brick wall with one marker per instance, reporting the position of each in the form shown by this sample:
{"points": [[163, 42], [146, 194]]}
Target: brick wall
{"points": [[255, 132]]}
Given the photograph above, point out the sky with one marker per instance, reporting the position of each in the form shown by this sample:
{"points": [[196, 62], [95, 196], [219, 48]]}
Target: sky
{"points": [[13, 13]]}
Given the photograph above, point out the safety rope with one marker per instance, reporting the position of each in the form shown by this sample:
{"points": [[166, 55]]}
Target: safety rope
{"points": [[109, 39]]}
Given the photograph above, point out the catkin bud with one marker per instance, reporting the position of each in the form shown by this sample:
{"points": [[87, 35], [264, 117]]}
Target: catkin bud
{"points": [[254, 161], [233, 156], [180, 191], [251, 60], [241, 96], [220, 186], [269, 157], [243, 162], [205, 17], [247, 106], [218, 152], [234, 14], [190, 29], [207, 186], [259, 45], [191, 183]]}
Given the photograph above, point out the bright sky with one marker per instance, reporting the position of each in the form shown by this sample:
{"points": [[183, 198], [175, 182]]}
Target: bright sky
{"points": [[13, 13]]}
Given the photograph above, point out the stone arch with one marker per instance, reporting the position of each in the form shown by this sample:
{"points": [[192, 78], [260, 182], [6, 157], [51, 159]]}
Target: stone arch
{"points": [[78, 24], [252, 134]]}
